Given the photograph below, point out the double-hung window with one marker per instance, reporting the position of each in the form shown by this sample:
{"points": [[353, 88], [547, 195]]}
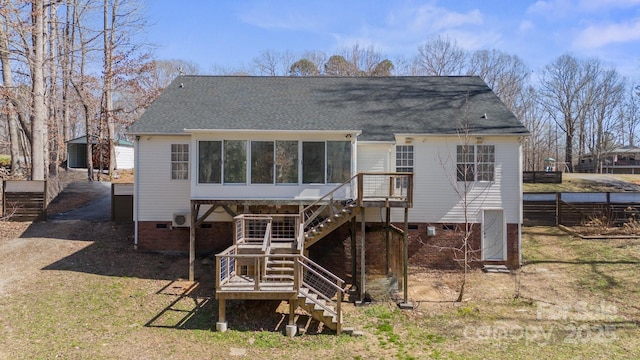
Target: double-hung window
{"points": [[486, 162], [475, 162], [179, 161], [404, 163]]}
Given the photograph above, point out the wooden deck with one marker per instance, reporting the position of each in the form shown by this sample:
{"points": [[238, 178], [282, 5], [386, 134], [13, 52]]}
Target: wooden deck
{"points": [[242, 287]]}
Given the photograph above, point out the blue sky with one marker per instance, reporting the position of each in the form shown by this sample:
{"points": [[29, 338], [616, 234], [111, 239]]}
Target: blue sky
{"points": [[228, 34]]}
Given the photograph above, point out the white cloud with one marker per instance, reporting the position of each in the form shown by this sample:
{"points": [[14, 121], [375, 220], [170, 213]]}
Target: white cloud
{"points": [[552, 8], [526, 25], [593, 5], [437, 18], [598, 36]]}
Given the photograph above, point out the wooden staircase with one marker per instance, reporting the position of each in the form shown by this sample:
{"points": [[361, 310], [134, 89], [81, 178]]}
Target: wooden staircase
{"points": [[318, 308]]}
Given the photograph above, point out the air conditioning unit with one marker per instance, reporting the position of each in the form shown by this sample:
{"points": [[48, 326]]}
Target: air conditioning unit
{"points": [[181, 219]]}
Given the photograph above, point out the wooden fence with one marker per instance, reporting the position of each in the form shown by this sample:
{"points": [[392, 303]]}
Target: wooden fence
{"points": [[542, 177], [571, 208], [122, 203], [24, 200]]}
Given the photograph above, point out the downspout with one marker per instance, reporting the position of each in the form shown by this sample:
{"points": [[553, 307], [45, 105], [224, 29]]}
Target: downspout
{"points": [[136, 182]]}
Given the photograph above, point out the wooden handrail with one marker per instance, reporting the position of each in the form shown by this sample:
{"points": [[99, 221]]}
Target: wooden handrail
{"points": [[327, 195], [337, 279], [301, 238], [266, 242]]}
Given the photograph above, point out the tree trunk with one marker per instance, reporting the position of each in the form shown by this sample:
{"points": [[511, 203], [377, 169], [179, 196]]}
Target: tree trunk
{"points": [[39, 111], [568, 155], [108, 82], [12, 117]]}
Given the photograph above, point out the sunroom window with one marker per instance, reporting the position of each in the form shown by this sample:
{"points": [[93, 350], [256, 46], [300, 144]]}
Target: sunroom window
{"points": [[313, 160], [235, 161], [286, 162], [262, 162], [338, 161], [209, 162]]}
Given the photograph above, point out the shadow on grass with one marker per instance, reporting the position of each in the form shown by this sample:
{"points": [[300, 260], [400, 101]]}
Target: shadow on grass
{"points": [[193, 307], [105, 248]]}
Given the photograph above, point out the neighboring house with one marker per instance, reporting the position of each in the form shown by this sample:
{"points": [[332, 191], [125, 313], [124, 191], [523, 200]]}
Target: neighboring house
{"points": [[77, 153], [222, 146], [621, 160]]}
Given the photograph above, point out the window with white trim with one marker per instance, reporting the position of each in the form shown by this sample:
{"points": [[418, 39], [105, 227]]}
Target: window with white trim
{"points": [[404, 163], [179, 161], [486, 156], [475, 163]]}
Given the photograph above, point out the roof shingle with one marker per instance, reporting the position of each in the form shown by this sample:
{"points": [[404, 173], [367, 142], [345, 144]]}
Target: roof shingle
{"points": [[377, 106]]}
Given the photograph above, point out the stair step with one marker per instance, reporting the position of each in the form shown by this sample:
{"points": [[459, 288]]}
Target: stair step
{"points": [[278, 277], [280, 262], [280, 270]]}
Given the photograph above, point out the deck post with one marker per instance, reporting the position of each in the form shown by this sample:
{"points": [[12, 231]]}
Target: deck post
{"points": [[362, 255], [192, 242], [354, 254], [405, 260], [387, 229], [292, 329], [221, 325]]}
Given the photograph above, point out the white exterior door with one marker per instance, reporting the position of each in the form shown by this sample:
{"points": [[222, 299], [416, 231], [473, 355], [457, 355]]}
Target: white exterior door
{"points": [[493, 235]]}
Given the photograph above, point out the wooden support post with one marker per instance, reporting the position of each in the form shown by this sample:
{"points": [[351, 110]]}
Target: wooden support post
{"points": [[558, 208], [405, 255], [221, 325], [292, 329], [362, 255], [292, 311], [192, 242], [387, 229], [354, 254]]}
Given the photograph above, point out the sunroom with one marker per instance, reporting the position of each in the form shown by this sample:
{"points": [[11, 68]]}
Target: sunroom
{"points": [[269, 165]]}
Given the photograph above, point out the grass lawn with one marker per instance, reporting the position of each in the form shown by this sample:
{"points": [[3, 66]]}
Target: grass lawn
{"points": [[581, 183], [98, 299]]}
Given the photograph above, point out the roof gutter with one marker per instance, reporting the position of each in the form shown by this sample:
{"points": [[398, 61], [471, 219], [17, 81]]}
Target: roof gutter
{"points": [[190, 131]]}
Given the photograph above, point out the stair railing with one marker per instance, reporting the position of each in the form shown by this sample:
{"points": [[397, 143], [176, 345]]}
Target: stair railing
{"points": [[316, 208], [322, 283]]}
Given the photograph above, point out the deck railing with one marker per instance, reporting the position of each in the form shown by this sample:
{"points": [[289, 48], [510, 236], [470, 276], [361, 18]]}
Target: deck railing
{"points": [[309, 278], [326, 205], [392, 186], [252, 229], [324, 285], [226, 266]]}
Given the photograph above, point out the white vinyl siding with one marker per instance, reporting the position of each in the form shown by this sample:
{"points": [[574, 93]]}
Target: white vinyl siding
{"points": [[159, 196], [436, 196], [124, 157]]}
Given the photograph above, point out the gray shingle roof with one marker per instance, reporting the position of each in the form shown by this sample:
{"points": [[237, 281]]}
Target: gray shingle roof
{"points": [[378, 106]]}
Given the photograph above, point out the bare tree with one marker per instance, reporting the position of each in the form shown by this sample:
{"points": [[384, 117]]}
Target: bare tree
{"points": [[462, 178], [629, 117], [440, 56], [8, 94], [505, 74], [39, 111], [273, 63], [566, 91], [608, 97]]}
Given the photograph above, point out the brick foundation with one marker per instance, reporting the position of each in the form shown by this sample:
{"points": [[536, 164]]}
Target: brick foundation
{"points": [[334, 251], [152, 236]]}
